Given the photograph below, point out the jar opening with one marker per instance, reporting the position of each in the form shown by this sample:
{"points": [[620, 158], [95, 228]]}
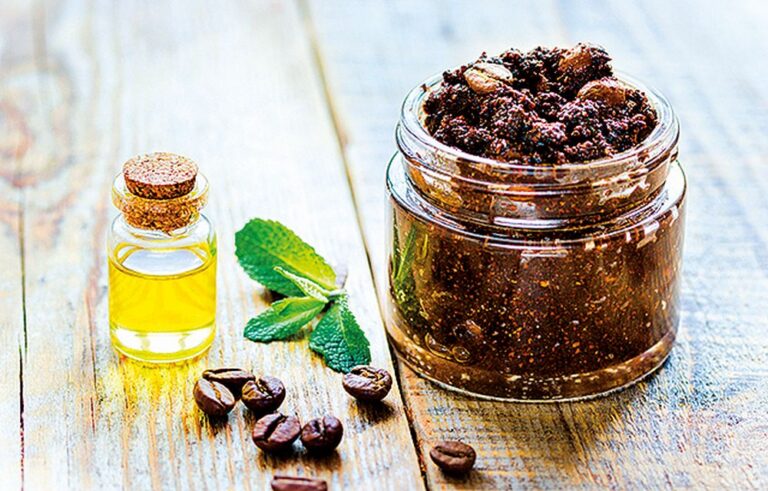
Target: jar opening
{"points": [[484, 190], [413, 138]]}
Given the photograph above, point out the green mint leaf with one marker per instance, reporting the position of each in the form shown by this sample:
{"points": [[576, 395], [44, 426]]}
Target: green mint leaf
{"points": [[402, 259], [283, 319], [263, 245], [339, 339], [307, 287]]}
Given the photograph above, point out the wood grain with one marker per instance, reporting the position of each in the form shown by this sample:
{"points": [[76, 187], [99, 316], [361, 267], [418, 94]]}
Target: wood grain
{"points": [[698, 423], [233, 86], [13, 145]]}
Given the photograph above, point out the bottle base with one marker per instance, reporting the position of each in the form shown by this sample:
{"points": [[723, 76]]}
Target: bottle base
{"points": [[531, 389], [162, 347]]}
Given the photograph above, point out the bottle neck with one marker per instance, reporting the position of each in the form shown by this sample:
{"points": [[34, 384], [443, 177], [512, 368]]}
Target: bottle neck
{"points": [[139, 230], [160, 215]]}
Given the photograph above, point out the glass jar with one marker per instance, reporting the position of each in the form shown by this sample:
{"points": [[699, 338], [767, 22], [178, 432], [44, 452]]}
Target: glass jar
{"points": [[162, 275], [534, 283]]}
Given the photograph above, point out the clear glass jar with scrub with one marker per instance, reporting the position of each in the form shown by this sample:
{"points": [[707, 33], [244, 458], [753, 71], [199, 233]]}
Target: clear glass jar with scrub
{"points": [[534, 283], [161, 254]]}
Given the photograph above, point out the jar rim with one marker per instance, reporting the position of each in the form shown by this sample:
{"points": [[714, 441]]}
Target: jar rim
{"points": [[663, 137]]}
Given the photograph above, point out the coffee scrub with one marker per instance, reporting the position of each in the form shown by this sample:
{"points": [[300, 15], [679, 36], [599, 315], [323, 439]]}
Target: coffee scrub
{"points": [[536, 216]]}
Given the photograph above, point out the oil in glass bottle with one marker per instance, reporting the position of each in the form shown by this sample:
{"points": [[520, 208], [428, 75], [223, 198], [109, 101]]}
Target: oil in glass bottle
{"points": [[161, 261]]}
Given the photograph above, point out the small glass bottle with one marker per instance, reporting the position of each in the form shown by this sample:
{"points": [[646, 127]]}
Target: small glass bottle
{"points": [[161, 255]]}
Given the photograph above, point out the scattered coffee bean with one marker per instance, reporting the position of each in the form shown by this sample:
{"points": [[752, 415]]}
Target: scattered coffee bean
{"points": [[322, 434], [264, 394], [366, 383], [276, 432], [295, 483], [453, 456], [213, 398], [232, 378]]}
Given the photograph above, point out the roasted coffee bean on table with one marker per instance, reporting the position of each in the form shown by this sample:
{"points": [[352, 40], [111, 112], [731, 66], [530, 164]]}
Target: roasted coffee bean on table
{"points": [[322, 434], [454, 457], [276, 432], [264, 394], [213, 398], [296, 483], [232, 378], [366, 383]]}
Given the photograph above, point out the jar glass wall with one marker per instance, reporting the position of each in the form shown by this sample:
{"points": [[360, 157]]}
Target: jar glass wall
{"points": [[534, 282]]}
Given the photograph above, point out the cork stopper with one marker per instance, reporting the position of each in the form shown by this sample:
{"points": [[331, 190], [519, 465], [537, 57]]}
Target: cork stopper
{"points": [[160, 191], [160, 175]]}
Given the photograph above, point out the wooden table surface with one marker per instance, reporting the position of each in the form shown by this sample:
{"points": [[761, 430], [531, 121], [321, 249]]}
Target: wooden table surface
{"points": [[289, 108]]}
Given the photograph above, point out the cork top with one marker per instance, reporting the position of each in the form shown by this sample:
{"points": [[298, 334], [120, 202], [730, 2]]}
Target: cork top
{"points": [[160, 191], [160, 175]]}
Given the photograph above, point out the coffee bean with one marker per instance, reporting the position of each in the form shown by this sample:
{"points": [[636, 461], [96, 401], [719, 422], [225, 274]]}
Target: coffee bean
{"points": [[213, 398], [232, 378], [322, 434], [453, 456], [276, 432], [484, 78], [264, 394], [607, 90], [367, 383], [295, 483]]}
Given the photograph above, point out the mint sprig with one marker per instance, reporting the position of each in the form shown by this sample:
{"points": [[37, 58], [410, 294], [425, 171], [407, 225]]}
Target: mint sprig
{"points": [[339, 339], [263, 245], [307, 287], [276, 257]]}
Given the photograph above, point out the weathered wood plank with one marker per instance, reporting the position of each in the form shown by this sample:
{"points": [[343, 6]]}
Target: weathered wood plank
{"points": [[699, 422], [232, 85], [14, 144]]}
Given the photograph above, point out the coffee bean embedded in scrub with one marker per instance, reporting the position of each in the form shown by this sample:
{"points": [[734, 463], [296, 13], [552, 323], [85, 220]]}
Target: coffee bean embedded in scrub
{"points": [[607, 90], [322, 434], [276, 432], [484, 78], [264, 394], [296, 483], [582, 63], [367, 383], [213, 398], [232, 378], [453, 456]]}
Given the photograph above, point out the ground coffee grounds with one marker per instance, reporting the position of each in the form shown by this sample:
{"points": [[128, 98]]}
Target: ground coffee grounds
{"points": [[546, 106]]}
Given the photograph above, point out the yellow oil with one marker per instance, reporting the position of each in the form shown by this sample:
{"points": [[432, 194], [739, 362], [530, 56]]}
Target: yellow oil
{"points": [[162, 303]]}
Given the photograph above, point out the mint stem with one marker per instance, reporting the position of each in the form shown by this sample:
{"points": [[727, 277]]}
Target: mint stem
{"points": [[336, 294]]}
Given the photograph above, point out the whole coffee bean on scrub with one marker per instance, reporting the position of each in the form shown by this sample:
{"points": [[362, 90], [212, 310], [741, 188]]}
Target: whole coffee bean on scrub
{"points": [[322, 434], [453, 457], [367, 383], [296, 483], [276, 432], [232, 378], [583, 62], [264, 394], [213, 398], [484, 78], [607, 90]]}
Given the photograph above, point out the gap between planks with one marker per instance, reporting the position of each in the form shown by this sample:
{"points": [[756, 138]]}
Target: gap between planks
{"points": [[341, 140]]}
